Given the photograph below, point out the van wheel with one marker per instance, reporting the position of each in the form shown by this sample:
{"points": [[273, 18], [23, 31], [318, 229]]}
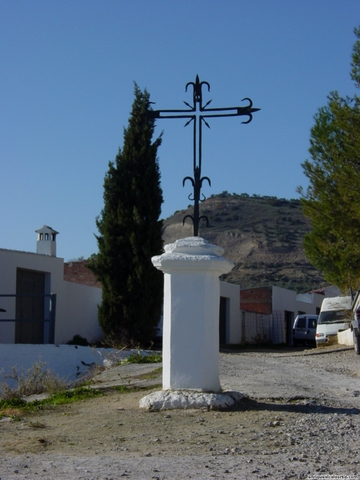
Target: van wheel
{"points": [[356, 343]]}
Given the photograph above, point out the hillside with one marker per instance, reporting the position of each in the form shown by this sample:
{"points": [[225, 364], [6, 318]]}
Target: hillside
{"points": [[263, 236]]}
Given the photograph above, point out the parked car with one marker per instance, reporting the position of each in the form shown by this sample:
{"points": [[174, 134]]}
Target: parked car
{"points": [[304, 330], [335, 316], [355, 327]]}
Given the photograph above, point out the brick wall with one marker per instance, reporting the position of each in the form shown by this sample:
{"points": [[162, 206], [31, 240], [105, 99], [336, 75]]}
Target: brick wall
{"points": [[257, 300], [78, 272]]}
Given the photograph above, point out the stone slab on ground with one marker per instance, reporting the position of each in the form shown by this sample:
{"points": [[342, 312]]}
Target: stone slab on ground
{"points": [[169, 400]]}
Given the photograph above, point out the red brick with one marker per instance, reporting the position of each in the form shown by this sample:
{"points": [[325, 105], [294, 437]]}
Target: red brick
{"points": [[78, 272]]}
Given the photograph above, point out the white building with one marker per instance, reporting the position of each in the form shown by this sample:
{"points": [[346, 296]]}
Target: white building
{"points": [[268, 313], [32, 288], [37, 306]]}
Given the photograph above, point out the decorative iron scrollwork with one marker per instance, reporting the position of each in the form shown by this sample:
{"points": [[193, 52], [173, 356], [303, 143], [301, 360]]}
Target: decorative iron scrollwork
{"points": [[197, 114]]}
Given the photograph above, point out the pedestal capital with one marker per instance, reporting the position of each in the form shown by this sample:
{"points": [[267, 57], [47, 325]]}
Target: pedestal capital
{"points": [[193, 255]]}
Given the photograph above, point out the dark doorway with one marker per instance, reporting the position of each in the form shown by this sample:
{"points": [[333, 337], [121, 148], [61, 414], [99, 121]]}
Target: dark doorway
{"points": [[30, 286], [289, 321], [222, 322]]}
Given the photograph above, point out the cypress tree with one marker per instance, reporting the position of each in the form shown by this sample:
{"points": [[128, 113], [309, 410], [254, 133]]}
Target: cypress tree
{"points": [[130, 234]]}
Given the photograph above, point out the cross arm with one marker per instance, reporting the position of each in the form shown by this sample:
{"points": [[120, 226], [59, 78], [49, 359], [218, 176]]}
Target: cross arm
{"points": [[172, 113], [234, 114], [231, 111], [167, 114]]}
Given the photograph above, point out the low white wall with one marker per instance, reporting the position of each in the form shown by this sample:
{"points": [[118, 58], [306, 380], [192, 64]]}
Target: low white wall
{"points": [[67, 361], [345, 337]]}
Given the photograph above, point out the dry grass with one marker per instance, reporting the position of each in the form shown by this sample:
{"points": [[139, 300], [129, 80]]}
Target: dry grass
{"points": [[34, 380]]}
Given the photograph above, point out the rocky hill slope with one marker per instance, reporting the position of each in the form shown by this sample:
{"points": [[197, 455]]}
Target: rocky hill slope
{"points": [[263, 236]]}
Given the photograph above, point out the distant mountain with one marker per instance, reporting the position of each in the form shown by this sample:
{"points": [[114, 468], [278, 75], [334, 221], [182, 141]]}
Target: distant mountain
{"points": [[263, 236]]}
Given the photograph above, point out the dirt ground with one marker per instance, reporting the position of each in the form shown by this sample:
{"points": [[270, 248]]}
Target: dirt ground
{"points": [[300, 418]]}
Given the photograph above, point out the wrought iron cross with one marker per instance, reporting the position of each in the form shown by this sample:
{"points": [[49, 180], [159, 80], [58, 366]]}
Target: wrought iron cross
{"points": [[198, 113]]}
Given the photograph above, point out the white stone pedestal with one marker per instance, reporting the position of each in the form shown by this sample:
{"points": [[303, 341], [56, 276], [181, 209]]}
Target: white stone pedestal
{"points": [[191, 267]]}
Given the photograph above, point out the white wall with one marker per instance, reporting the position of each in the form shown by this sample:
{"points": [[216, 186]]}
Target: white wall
{"points": [[233, 323], [346, 337], [79, 314], [283, 299]]}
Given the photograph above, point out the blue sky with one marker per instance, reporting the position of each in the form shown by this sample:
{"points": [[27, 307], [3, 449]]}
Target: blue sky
{"points": [[66, 90]]}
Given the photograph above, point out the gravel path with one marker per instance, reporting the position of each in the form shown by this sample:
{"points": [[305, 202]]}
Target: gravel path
{"points": [[323, 373], [300, 420]]}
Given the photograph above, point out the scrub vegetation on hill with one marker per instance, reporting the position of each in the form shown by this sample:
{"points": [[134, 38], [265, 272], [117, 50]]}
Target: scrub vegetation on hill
{"points": [[262, 235]]}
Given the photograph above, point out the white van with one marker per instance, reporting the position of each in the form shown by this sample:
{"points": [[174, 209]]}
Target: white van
{"points": [[335, 315]]}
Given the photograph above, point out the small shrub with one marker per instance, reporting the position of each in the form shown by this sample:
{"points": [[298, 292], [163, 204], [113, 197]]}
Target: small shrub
{"points": [[138, 358], [78, 340], [69, 396], [12, 403]]}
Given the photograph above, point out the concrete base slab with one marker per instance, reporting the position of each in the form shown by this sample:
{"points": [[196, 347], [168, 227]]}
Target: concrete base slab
{"points": [[182, 399]]}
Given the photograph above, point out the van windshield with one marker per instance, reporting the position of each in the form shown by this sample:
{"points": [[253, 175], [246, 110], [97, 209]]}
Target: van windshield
{"points": [[334, 317]]}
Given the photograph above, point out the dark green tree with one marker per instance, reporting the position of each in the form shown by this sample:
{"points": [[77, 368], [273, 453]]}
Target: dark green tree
{"points": [[130, 234], [332, 199]]}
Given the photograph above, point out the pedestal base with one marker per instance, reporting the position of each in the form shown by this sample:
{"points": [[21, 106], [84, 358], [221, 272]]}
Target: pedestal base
{"points": [[180, 399]]}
